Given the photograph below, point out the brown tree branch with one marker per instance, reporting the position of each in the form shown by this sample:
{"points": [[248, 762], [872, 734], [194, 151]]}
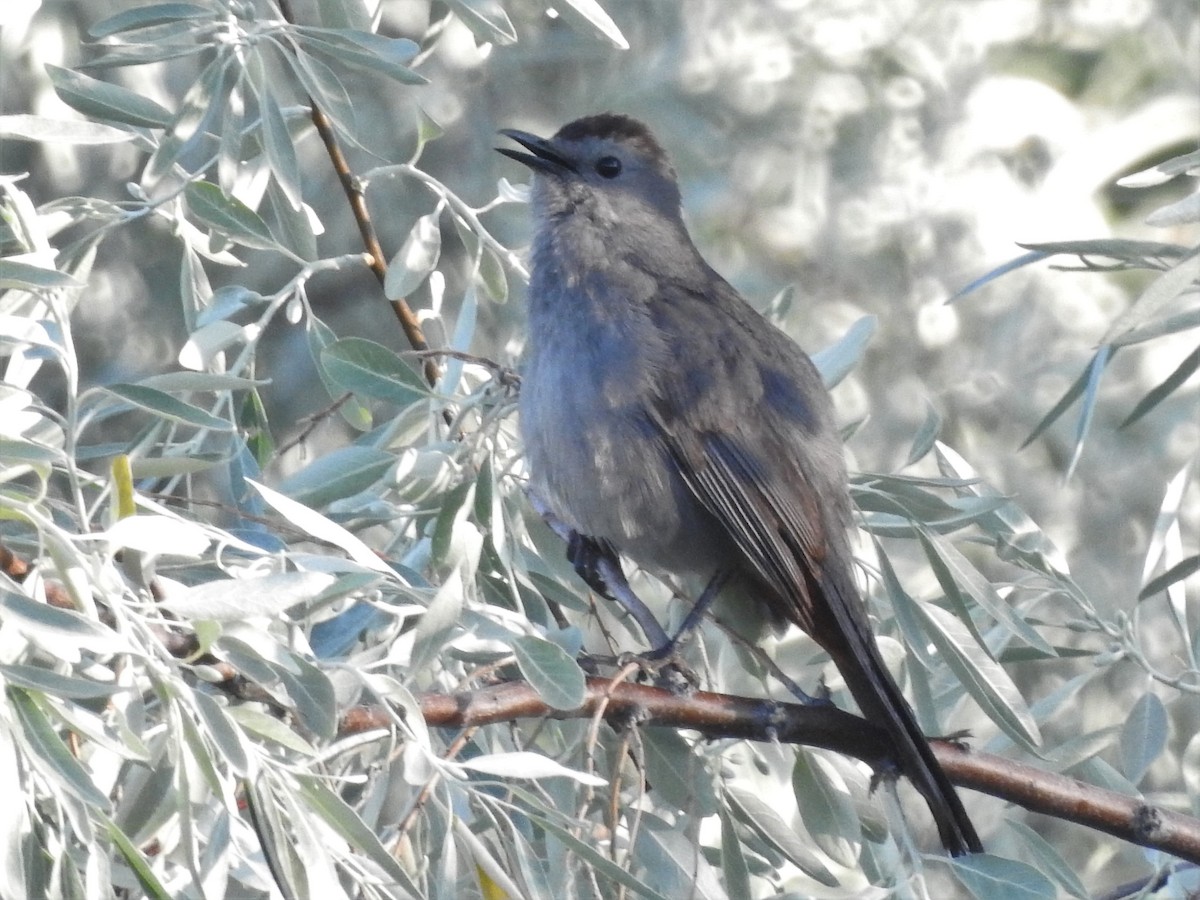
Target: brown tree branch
{"points": [[352, 187], [723, 716]]}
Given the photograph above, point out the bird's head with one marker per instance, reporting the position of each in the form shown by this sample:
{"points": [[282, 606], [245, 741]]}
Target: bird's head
{"points": [[607, 168]]}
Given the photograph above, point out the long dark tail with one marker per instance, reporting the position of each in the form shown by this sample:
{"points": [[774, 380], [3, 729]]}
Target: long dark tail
{"points": [[879, 698]]}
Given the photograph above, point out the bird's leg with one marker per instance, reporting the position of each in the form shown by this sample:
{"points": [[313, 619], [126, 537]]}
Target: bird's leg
{"points": [[585, 555], [598, 565], [694, 616]]}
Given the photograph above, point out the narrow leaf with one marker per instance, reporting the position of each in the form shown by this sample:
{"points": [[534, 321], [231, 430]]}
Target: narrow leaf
{"points": [[981, 676], [143, 16], [50, 754], [1160, 292], [1073, 392], [42, 129], [1143, 736], [416, 258], [837, 361], [1090, 397], [103, 100], [16, 274], [371, 369], [228, 216], [1181, 570], [1165, 388], [554, 675], [166, 406]]}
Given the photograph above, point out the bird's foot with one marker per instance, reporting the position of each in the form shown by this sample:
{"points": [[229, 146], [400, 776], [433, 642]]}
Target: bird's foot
{"points": [[664, 668], [958, 738], [821, 698]]}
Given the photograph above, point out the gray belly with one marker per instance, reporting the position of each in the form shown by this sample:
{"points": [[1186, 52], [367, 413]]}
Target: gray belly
{"points": [[603, 470]]}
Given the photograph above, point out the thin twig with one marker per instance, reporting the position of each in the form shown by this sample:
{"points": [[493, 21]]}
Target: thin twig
{"points": [[362, 217]]}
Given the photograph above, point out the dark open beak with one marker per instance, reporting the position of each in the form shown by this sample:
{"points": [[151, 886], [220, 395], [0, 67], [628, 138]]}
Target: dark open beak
{"points": [[542, 156]]}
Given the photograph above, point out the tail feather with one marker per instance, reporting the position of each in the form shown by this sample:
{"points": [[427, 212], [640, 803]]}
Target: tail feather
{"points": [[880, 700]]}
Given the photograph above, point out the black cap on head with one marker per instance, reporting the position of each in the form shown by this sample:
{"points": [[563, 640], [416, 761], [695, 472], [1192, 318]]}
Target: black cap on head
{"points": [[615, 127]]}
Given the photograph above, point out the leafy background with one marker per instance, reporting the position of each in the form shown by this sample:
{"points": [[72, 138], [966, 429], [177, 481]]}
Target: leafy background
{"points": [[839, 160]]}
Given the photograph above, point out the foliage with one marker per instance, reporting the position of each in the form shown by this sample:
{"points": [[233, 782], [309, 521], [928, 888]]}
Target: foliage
{"points": [[205, 608]]}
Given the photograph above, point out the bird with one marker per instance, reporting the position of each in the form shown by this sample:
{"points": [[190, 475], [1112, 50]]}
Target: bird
{"points": [[665, 419]]}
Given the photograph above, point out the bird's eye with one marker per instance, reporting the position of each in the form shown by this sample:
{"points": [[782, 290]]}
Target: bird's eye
{"points": [[608, 166]]}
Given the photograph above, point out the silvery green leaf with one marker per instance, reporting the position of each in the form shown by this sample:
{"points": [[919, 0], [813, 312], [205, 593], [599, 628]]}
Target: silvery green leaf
{"points": [[17, 274], [136, 860], [235, 599], [161, 535], [493, 275], [1185, 568], [370, 52], [209, 382], [320, 527], [440, 621], [274, 835], [319, 337], [221, 731], [312, 696], [44, 130], [826, 806], [1087, 383], [371, 369], [1162, 291], [325, 89], [554, 675], [168, 466], [341, 473], [1160, 392], [836, 362], [146, 803], [1180, 213], [992, 876], [415, 259], [957, 577], [55, 684], [203, 347], [145, 16], [673, 862], [226, 301], [102, 100], [347, 824], [270, 728], [599, 861], [522, 764], [926, 435], [296, 229], [61, 632], [679, 774], [192, 135], [451, 532], [733, 860], [277, 141], [983, 678], [1049, 860], [487, 20], [228, 216], [1143, 736], [594, 15], [49, 753]]}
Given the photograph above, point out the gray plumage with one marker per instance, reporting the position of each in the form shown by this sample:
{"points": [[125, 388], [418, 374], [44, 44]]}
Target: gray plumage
{"points": [[661, 414]]}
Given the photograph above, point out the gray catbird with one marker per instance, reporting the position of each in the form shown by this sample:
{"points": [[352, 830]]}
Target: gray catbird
{"points": [[664, 417]]}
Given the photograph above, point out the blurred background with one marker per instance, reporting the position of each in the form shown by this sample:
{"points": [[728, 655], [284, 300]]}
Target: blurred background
{"points": [[877, 155]]}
